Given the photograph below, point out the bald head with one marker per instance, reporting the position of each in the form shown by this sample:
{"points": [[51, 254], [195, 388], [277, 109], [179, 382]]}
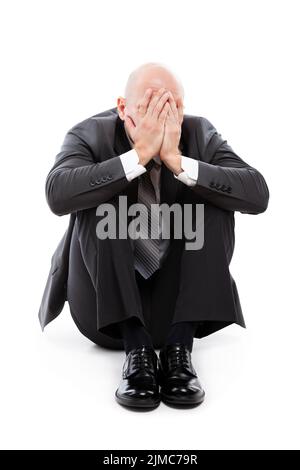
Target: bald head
{"points": [[151, 75]]}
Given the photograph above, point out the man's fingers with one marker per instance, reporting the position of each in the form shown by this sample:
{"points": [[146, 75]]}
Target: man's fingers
{"points": [[173, 107], [143, 106], [163, 115], [129, 124], [180, 110], [155, 103], [161, 103]]}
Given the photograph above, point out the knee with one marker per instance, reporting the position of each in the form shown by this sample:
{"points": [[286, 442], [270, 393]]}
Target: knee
{"points": [[211, 209], [215, 233], [215, 216], [219, 224]]}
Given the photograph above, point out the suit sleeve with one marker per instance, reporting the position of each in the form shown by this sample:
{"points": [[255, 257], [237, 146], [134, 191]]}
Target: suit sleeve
{"points": [[76, 181], [228, 181]]}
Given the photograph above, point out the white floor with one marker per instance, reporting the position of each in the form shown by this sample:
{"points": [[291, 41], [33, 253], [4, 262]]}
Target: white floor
{"points": [[58, 393]]}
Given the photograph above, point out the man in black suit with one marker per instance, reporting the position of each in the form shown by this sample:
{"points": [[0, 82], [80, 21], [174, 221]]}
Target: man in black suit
{"points": [[142, 292]]}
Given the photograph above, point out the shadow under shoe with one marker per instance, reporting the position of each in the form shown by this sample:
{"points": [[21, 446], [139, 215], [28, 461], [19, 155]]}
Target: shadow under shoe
{"points": [[177, 377], [139, 386]]}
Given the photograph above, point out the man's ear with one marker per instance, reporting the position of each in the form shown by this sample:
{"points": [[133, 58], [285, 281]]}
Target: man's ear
{"points": [[121, 105]]}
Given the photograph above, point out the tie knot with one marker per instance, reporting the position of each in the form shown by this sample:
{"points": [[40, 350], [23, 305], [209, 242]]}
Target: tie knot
{"points": [[152, 164]]}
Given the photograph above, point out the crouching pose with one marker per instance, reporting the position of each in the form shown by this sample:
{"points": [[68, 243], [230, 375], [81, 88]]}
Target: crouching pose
{"points": [[136, 277]]}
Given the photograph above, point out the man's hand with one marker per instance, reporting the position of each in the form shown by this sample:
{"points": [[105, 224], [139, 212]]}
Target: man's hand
{"points": [[169, 152], [149, 131]]}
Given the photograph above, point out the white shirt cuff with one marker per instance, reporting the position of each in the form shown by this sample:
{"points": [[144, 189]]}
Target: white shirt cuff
{"points": [[131, 166], [189, 175]]}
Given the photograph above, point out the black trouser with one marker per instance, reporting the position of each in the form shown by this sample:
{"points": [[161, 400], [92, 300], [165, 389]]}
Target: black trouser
{"points": [[192, 285]]}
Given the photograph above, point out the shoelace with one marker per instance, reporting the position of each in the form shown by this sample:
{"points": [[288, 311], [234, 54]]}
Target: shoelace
{"points": [[143, 359], [178, 358]]}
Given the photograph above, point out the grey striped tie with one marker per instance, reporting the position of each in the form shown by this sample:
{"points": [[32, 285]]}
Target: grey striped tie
{"points": [[146, 250]]}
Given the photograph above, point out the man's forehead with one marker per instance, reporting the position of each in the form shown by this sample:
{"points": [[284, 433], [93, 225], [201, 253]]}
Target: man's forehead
{"points": [[155, 90]]}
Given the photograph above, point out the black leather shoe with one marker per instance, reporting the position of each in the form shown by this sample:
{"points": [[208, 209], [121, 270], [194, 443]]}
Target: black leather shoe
{"points": [[177, 376], [139, 385]]}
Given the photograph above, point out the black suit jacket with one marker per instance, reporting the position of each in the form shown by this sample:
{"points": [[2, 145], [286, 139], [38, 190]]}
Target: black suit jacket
{"points": [[88, 171]]}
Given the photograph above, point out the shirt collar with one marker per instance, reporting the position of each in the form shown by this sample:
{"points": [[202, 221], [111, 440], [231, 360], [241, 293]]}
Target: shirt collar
{"points": [[156, 158]]}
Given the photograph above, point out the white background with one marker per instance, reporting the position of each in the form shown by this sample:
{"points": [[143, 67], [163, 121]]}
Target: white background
{"points": [[64, 61]]}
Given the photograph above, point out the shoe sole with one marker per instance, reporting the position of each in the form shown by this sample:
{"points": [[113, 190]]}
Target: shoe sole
{"points": [[137, 403], [168, 400]]}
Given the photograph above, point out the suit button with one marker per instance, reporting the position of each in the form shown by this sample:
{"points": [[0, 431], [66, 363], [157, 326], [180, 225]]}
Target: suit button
{"points": [[218, 186], [229, 189], [98, 181], [109, 177], [92, 183], [212, 184], [224, 188]]}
